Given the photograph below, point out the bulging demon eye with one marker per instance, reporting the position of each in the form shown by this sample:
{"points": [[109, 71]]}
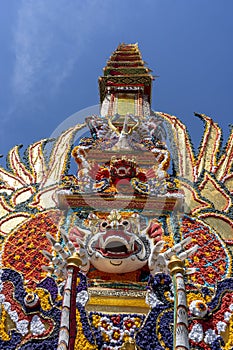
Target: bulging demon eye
{"points": [[198, 308], [103, 224], [201, 306], [125, 223]]}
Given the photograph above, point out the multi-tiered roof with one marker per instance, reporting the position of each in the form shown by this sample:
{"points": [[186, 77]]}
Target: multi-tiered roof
{"points": [[125, 70]]}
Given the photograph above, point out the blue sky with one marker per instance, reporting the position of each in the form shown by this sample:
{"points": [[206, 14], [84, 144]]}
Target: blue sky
{"points": [[52, 52]]}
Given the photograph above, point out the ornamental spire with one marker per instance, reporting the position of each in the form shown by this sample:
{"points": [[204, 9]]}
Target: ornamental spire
{"points": [[125, 87]]}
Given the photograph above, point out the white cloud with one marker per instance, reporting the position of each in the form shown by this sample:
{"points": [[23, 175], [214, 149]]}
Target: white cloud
{"points": [[49, 36]]}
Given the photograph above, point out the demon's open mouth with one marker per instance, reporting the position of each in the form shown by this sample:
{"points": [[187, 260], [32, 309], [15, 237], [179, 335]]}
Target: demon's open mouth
{"points": [[122, 171], [116, 245]]}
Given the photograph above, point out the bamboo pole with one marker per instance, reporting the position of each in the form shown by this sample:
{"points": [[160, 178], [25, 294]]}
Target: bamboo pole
{"points": [[68, 329], [180, 330]]}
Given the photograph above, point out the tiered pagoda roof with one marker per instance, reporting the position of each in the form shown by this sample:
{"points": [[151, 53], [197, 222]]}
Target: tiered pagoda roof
{"points": [[126, 70]]}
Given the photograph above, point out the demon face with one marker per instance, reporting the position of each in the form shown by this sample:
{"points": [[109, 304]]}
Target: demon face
{"points": [[116, 244], [122, 168]]}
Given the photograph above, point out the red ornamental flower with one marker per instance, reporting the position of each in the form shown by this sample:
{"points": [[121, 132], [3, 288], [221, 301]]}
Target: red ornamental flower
{"points": [[116, 319]]}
